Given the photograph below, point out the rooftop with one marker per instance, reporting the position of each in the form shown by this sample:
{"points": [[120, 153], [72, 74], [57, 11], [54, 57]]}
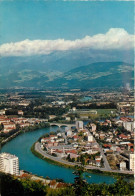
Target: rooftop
{"points": [[7, 155]]}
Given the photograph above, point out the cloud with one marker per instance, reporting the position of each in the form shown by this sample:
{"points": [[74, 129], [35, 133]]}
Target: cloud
{"points": [[115, 38]]}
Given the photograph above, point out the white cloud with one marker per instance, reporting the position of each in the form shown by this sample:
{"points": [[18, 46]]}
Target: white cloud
{"points": [[115, 38]]}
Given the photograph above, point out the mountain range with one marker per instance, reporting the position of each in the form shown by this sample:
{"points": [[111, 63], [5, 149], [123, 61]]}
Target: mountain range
{"points": [[81, 69]]}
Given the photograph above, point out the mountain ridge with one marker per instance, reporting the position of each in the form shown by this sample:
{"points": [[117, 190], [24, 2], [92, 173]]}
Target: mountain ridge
{"points": [[93, 75]]}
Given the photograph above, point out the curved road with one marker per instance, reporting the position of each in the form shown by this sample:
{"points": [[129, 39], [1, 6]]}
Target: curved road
{"points": [[57, 159]]}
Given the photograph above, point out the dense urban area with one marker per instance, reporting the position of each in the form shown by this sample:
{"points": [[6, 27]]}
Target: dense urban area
{"points": [[95, 132]]}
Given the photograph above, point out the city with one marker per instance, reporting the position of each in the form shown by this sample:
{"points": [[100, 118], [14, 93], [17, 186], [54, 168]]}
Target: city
{"points": [[67, 98], [89, 132]]}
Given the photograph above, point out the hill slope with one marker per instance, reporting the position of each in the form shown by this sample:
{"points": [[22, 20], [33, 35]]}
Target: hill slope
{"points": [[101, 74]]}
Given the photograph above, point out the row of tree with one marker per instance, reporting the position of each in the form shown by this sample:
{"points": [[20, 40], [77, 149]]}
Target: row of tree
{"points": [[94, 106]]}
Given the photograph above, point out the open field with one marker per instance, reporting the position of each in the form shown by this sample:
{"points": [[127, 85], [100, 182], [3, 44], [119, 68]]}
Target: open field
{"points": [[97, 113], [106, 111]]}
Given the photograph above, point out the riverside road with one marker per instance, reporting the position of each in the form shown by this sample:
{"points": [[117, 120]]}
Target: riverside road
{"points": [[59, 160]]}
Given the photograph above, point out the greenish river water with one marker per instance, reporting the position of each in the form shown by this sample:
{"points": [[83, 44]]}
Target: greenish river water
{"points": [[20, 146]]}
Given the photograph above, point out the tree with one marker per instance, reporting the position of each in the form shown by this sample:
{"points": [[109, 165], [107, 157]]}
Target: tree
{"points": [[78, 159], [80, 185], [1, 126], [68, 157], [33, 188], [82, 160], [73, 160]]}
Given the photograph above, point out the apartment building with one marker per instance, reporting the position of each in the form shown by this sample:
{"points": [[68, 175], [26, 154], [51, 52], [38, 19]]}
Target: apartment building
{"points": [[9, 163]]}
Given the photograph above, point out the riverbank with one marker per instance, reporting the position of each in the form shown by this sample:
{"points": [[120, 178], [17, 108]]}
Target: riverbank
{"points": [[26, 129], [49, 160], [33, 185], [3, 142], [21, 145], [72, 165]]}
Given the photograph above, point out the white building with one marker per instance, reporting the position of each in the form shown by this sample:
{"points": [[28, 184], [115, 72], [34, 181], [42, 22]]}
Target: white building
{"points": [[93, 111], [9, 163], [2, 112], [79, 124], [131, 162], [122, 165], [93, 127], [90, 138], [20, 112], [74, 109], [128, 126], [67, 118], [69, 133]]}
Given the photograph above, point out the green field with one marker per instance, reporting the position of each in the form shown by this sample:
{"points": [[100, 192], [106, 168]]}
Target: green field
{"points": [[106, 111], [101, 113]]}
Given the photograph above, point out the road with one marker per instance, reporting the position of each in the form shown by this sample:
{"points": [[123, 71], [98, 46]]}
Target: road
{"points": [[63, 134], [58, 159], [106, 164]]}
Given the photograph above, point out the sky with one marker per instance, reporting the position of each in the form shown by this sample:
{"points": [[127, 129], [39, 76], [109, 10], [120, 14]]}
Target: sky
{"points": [[41, 27]]}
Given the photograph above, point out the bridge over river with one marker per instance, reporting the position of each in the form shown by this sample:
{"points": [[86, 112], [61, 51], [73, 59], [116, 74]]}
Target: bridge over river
{"points": [[63, 125]]}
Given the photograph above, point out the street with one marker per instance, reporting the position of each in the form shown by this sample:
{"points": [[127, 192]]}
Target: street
{"points": [[58, 159]]}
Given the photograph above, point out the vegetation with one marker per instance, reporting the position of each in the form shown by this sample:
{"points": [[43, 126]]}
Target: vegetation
{"points": [[80, 185], [18, 131], [5, 137], [43, 112], [12, 186], [27, 187], [94, 106], [1, 127], [106, 128], [11, 112], [36, 126], [84, 158]]}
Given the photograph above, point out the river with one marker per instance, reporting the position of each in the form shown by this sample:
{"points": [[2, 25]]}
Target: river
{"points": [[20, 146]]}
